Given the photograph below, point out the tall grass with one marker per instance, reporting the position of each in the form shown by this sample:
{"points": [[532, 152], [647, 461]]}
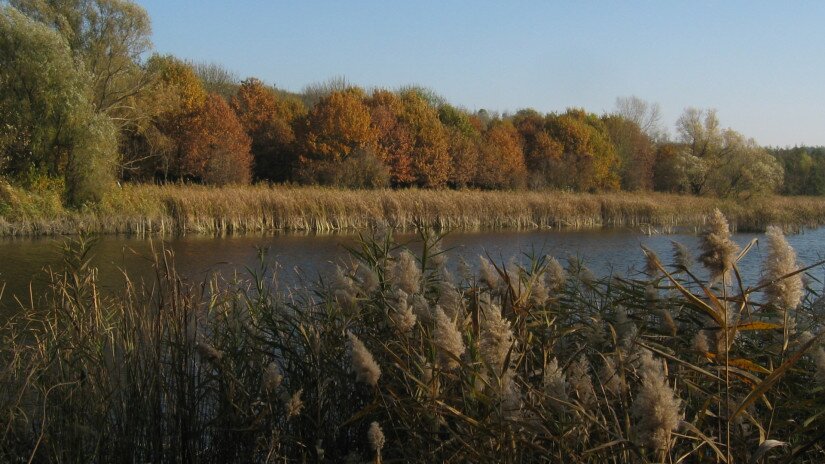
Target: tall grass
{"points": [[170, 209], [396, 359]]}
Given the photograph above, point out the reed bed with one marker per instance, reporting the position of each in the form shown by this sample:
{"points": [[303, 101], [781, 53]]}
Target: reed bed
{"points": [[397, 359], [177, 209]]}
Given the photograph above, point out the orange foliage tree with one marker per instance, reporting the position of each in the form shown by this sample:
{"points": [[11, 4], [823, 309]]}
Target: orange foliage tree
{"points": [[430, 157], [268, 120], [463, 144], [337, 127], [501, 163], [394, 139], [216, 149]]}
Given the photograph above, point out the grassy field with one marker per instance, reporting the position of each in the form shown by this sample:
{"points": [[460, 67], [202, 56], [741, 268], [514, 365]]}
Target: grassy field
{"points": [[148, 209], [396, 359]]}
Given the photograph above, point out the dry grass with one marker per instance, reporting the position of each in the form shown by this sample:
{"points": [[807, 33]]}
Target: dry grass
{"points": [[520, 367], [170, 209]]}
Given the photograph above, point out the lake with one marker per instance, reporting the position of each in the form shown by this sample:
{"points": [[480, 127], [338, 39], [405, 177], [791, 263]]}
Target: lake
{"points": [[604, 251]]}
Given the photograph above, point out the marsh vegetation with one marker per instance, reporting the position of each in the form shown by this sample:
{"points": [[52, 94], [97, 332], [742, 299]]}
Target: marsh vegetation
{"points": [[396, 358]]}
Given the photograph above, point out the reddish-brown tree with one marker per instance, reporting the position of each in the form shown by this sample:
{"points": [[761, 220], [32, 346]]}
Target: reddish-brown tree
{"points": [[268, 119], [216, 149], [395, 140]]}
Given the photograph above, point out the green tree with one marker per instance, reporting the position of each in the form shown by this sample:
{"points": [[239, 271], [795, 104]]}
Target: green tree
{"points": [[722, 161], [109, 37], [48, 122]]}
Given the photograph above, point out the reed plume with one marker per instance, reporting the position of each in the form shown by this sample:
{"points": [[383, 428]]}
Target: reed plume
{"points": [[718, 250], [363, 364]]}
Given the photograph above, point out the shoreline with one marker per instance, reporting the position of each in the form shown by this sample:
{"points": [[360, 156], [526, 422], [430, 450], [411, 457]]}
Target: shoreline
{"points": [[144, 210]]}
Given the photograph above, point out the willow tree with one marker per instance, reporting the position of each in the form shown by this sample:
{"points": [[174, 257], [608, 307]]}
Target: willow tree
{"points": [[49, 125]]}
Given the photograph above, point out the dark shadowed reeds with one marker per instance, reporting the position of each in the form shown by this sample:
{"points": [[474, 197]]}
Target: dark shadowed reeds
{"points": [[538, 364]]}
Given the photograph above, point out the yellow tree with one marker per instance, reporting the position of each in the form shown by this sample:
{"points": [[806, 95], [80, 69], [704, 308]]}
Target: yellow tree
{"points": [[590, 161], [337, 127], [430, 156]]}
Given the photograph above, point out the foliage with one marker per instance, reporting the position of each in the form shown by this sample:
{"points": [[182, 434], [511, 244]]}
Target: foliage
{"points": [[216, 148], [804, 170], [722, 162], [338, 125], [109, 37], [591, 162], [268, 119], [49, 125]]}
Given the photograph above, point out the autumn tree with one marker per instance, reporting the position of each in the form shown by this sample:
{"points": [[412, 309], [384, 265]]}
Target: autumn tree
{"points": [[215, 148], [636, 152], [215, 78], [722, 161], [268, 119], [647, 116], [109, 37], [589, 161], [463, 144], [155, 146], [542, 153], [430, 158], [501, 160], [395, 140], [338, 127]]}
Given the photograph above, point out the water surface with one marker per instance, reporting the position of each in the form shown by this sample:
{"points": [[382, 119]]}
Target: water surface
{"points": [[604, 251]]}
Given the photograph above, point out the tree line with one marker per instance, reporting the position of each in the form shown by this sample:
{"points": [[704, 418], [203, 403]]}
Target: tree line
{"points": [[81, 102]]}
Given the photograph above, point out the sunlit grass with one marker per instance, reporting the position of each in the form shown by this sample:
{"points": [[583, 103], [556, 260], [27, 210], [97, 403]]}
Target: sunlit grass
{"points": [[169, 209]]}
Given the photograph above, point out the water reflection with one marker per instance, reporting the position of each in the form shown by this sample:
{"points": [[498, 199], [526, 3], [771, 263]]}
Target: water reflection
{"points": [[604, 251]]}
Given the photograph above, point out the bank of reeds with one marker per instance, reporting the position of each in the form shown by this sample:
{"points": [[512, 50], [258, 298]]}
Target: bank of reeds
{"points": [[175, 209], [395, 359]]}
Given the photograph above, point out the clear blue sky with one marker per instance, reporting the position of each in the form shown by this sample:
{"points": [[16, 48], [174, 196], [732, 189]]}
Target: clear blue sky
{"points": [[760, 64]]}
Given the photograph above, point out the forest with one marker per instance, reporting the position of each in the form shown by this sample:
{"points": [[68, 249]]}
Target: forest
{"points": [[85, 105]]}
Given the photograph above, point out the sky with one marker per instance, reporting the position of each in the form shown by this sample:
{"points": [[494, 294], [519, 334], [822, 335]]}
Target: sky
{"points": [[760, 64]]}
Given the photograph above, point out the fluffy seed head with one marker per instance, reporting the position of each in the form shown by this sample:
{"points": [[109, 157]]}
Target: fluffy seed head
{"points": [[407, 273], [612, 378], [294, 404], [681, 256], [718, 250], [496, 337], [578, 374], [376, 437], [402, 317], [656, 407], [786, 293], [555, 382], [448, 340], [272, 378], [555, 275], [364, 365], [488, 274]]}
